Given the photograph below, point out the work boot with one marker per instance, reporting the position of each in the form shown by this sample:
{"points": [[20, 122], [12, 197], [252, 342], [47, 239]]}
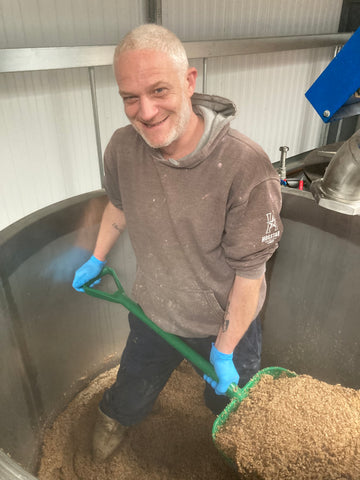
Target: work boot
{"points": [[107, 437]]}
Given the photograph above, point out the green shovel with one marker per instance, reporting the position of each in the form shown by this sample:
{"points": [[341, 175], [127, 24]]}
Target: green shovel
{"points": [[236, 394]]}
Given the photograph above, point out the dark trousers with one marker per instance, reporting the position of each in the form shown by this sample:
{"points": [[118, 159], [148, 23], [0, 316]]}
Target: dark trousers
{"points": [[148, 361]]}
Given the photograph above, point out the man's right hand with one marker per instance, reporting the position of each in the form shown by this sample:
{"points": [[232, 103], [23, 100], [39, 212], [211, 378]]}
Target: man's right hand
{"points": [[87, 272], [225, 370]]}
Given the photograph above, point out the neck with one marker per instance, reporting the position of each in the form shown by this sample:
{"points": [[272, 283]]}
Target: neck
{"points": [[187, 143]]}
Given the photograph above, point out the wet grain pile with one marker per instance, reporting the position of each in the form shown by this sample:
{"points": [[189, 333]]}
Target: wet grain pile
{"points": [[295, 429], [174, 442]]}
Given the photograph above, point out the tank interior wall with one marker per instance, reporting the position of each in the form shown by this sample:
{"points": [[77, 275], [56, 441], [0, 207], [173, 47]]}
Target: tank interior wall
{"points": [[54, 339], [311, 315]]}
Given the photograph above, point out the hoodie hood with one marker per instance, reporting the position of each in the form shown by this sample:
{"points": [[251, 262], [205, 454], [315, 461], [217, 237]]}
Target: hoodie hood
{"points": [[217, 104], [217, 113]]}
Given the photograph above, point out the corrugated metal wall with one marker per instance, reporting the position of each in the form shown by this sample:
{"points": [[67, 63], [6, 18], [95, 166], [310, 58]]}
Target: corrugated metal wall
{"points": [[59, 23], [267, 88], [223, 19], [47, 137], [48, 149]]}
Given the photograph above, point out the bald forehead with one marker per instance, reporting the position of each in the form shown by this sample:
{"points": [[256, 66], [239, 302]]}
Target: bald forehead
{"points": [[147, 57], [140, 71]]}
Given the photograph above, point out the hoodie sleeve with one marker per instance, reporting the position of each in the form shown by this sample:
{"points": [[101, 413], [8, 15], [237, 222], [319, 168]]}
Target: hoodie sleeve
{"points": [[111, 181], [253, 229]]}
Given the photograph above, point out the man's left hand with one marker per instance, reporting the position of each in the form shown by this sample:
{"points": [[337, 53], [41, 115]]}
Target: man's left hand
{"points": [[225, 370]]}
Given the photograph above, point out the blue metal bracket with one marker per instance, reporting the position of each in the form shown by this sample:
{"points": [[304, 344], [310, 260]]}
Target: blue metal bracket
{"points": [[335, 93]]}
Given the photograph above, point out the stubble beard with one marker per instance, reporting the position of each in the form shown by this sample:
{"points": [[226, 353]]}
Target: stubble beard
{"points": [[178, 129]]}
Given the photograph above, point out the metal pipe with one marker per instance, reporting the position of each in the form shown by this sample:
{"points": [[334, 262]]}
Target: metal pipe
{"points": [[247, 46], [204, 82], [339, 189], [31, 59], [282, 171], [338, 124], [158, 12], [323, 153], [154, 11], [96, 122], [338, 130]]}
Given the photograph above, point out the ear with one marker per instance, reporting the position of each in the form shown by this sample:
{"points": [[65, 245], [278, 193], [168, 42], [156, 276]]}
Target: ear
{"points": [[191, 77]]}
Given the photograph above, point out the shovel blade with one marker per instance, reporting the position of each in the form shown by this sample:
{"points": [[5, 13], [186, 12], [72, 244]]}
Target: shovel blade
{"points": [[241, 394]]}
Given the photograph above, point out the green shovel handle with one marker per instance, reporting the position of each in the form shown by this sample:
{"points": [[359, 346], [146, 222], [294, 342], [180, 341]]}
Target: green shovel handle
{"points": [[120, 297]]}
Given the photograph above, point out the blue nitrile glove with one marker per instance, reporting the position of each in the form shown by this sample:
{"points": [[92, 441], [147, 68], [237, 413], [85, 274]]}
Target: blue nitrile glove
{"points": [[86, 272], [225, 370], [61, 264]]}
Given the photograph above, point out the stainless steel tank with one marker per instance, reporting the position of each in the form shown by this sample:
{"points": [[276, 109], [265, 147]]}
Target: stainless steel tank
{"points": [[54, 340]]}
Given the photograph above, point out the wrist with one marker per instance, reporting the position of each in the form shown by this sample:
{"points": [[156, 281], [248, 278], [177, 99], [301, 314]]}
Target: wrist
{"points": [[98, 261], [223, 346], [222, 355]]}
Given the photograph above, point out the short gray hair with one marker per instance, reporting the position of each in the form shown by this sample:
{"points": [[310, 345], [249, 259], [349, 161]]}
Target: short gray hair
{"points": [[154, 37]]}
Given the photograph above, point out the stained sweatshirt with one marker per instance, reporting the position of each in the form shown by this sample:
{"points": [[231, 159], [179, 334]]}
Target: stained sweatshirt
{"points": [[196, 222]]}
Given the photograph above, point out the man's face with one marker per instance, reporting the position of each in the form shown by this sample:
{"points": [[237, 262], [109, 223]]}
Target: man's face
{"points": [[156, 96]]}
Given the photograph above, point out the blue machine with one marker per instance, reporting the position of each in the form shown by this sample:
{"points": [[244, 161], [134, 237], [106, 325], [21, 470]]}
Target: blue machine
{"points": [[335, 94]]}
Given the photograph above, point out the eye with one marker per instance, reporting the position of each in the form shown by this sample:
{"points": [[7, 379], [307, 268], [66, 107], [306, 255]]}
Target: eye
{"points": [[159, 92], [129, 100]]}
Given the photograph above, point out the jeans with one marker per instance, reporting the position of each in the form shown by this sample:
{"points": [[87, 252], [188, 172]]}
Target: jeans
{"points": [[148, 361]]}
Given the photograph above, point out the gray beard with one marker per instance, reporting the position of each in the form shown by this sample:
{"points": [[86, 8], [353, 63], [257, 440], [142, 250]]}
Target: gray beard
{"points": [[176, 132]]}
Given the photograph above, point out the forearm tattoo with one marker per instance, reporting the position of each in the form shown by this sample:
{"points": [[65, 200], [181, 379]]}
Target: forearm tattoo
{"points": [[226, 320], [117, 227]]}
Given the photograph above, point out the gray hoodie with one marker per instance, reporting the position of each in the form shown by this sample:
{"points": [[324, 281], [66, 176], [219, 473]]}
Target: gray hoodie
{"points": [[197, 222]]}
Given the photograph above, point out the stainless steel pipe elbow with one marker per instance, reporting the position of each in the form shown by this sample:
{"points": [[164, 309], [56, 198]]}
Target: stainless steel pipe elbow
{"points": [[339, 189]]}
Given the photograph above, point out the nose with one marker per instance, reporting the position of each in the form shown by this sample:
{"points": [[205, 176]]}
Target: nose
{"points": [[147, 108]]}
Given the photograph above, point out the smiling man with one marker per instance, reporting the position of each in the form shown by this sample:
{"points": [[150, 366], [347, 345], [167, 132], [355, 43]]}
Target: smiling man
{"points": [[196, 197], [157, 99], [156, 94]]}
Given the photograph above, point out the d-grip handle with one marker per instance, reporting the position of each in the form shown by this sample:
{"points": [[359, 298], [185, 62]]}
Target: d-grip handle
{"points": [[120, 297]]}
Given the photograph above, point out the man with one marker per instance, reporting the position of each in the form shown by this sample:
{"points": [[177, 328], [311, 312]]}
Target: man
{"points": [[201, 203]]}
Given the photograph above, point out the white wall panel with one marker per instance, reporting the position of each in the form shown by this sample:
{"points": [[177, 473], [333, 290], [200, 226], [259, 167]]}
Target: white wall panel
{"points": [[55, 23], [268, 90], [47, 137], [47, 147], [222, 19], [110, 105]]}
